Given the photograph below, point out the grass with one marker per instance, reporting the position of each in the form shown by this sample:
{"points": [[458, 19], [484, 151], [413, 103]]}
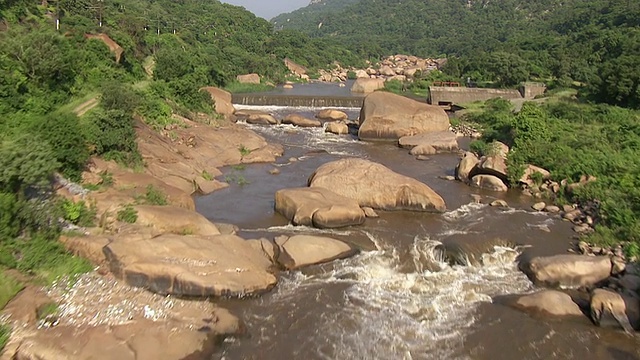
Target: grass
{"points": [[244, 151], [236, 88], [128, 214], [206, 175], [9, 287], [46, 310], [236, 178], [152, 196], [5, 332], [70, 106]]}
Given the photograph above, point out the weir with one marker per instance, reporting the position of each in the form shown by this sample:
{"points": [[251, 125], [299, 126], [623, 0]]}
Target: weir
{"points": [[263, 99]]}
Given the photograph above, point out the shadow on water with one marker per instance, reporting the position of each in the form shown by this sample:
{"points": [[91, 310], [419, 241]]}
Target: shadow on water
{"points": [[406, 294]]}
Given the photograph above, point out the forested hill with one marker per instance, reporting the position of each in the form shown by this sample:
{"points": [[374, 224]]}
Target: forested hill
{"points": [[311, 15], [590, 41]]}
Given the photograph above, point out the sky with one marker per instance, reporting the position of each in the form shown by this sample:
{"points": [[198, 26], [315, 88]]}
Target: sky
{"points": [[269, 8]]}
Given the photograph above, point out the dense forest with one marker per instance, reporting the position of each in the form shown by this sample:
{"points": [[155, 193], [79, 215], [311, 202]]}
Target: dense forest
{"points": [[596, 43]]}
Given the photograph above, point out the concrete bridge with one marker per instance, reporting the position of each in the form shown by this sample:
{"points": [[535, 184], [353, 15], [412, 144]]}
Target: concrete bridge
{"points": [[454, 95]]}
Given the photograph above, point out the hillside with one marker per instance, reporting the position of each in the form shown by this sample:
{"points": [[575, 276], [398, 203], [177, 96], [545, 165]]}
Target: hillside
{"points": [[504, 40], [310, 15]]}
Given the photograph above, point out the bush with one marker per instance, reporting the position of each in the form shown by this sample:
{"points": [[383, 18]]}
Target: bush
{"points": [[78, 213], [26, 162], [113, 135], [62, 132]]}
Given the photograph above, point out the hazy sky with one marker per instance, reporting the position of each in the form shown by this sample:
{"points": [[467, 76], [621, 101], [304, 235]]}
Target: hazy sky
{"points": [[269, 8]]}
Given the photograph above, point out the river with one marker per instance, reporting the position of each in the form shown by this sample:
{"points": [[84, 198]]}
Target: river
{"points": [[399, 298]]}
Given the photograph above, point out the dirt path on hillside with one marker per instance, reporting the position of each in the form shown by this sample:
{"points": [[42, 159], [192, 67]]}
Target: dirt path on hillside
{"points": [[86, 106]]}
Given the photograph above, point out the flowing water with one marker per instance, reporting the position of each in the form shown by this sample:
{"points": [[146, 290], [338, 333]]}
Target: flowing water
{"points": [[422, 285]]}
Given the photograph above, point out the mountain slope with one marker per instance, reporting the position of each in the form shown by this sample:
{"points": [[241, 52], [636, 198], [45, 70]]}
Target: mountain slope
{"points": [[311, 15]]}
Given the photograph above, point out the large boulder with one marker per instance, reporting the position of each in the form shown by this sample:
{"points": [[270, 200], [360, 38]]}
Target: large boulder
{"points": [[261, 119], [387, 116], [248, 79], [465, 167], [302, 250], [441, 141], [387, 71], [337, 127], [528, 175], [202, 266], [318, 207], [609, 308], [376, 186], [494, 166], [365, 85], [301, 121], [546, 302], [489, 182], [222, 100], [136, 340], [332, 115], [172, 219], [567, 270]]}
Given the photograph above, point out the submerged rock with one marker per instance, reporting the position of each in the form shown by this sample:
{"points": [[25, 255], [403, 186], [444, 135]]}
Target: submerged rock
{"points": [[567, 270], [338, 128], [546, 302], [318, 207], [386, 116], [301, 121], [609, 308], [489, 182], [376, 186], [332, 115], [441, 141], [303, 250], [198, 266]]}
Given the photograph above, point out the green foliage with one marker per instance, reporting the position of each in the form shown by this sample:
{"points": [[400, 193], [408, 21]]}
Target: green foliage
{"points": [[206, 175], [47, 310], [5, 333], [237, 88], [25, 162], [572, 140], [128, 214], [113, 135], [244, 151], [154, 196], [79, 213], [394, 86], [9, 287]]}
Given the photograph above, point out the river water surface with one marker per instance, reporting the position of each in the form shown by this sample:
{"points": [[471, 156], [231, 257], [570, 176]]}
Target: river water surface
{"points": [[421, 286]]}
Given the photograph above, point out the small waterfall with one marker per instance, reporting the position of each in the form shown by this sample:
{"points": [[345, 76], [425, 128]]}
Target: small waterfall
{"points": [[258, 99]]}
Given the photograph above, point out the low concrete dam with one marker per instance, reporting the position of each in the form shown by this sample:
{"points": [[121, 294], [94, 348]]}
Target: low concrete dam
{"points": [[267, 99]]}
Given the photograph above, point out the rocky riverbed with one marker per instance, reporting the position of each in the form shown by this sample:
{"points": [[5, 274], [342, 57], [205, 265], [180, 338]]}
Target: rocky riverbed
{"points": [[351, 249]]}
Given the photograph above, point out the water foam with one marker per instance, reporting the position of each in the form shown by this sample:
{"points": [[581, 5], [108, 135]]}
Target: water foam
{"points": [[390, 314]]}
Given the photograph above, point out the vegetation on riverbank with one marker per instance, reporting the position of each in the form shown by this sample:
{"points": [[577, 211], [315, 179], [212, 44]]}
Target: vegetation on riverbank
{"points": [[67, 97], [572, 140]]}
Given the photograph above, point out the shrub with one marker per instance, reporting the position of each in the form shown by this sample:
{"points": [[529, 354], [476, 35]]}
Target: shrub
{"points": [[61, 131], [78, 213], [113, 135]]}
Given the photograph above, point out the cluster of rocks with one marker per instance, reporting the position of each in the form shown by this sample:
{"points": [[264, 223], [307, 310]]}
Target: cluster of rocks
{"points": [[465, 130], [395, 67], [582, 216], [169, 250], [346, 191], [334, 121], [606, 289]]}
